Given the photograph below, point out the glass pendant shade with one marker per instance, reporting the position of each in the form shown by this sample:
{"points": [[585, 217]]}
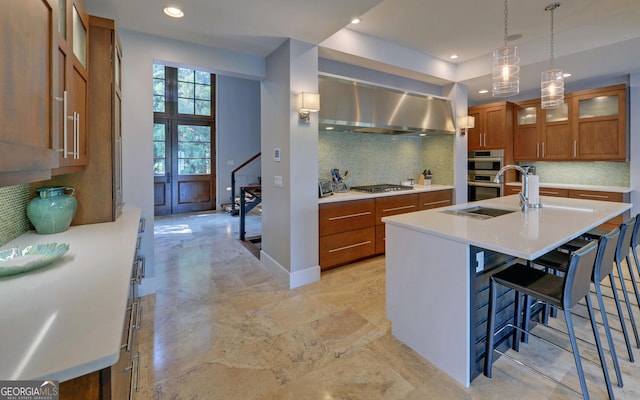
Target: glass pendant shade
{"points": [[506, 71], [552, 88]]}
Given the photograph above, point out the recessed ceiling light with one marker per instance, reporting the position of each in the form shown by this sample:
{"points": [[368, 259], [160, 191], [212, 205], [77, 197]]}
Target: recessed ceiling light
{"points": [[566, 74], [356, 20], [174, 12], [483, 91], [453, 56]]}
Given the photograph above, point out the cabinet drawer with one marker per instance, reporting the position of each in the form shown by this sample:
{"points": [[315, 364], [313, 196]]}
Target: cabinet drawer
{"points": [[429, 200], [345, 247], [509, 190], [593, 195], [346, 215], [392, 205], [554, 192]]}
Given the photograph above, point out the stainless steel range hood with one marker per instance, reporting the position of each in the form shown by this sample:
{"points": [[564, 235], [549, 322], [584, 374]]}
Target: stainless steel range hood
{"points": [[348, 106]]}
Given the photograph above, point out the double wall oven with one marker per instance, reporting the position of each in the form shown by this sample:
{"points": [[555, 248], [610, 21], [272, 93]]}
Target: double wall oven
{"points": [[483, 167]]}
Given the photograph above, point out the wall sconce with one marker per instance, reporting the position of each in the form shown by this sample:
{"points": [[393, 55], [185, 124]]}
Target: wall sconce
{"points": [[308, 103], [466, 122]]}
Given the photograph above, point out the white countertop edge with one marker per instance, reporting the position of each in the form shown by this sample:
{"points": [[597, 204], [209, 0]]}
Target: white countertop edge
{"points": [[595, 188], [354, 195], [414, 221]]}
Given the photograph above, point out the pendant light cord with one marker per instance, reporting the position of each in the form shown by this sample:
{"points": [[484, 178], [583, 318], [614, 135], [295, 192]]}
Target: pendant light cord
{"points": [[506, 19], [551, 7]]}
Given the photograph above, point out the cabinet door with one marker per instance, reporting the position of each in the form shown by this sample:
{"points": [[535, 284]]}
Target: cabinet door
{"points": [[70, 86], [346, 215], [393, 205], [600, 124], [526, 145], [345, 247], [601, 196], [495, 120], [25, 111]]}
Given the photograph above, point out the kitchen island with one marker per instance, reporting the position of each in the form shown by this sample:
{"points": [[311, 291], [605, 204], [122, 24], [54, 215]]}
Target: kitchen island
{"points": [[434, 259]]}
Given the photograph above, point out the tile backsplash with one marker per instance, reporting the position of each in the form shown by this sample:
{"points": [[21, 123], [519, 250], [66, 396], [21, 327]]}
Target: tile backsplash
{"points": [[13, 214], [378, 158], [598, 173]]}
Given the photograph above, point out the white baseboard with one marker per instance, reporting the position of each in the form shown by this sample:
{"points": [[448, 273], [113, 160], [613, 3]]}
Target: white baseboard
{"points": [[291, 279]]}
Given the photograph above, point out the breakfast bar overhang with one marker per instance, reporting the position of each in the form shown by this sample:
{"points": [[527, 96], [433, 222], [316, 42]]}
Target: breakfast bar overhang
{"points": [[432, 261]]}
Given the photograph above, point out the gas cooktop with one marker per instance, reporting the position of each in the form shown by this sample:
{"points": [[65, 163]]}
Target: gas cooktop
{"points": [[381, 188]]}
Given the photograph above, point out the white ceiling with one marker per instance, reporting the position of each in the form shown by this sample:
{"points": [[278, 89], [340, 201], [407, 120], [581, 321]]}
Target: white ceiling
{"points": [[593, 38]]}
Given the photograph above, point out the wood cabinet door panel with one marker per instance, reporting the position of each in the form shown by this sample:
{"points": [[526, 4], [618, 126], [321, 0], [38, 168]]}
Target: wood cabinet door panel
{"points": [[594, 195], [381, 238], [599, 139], [346, 215], [439, 198], [525, 143], [474, 135], [393, 205], [346, 247], [557, 143], [495, 124], [554, 192]]}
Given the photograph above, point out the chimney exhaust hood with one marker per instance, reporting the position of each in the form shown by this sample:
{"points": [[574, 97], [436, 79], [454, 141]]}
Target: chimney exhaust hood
{"points": [[349, 106]]}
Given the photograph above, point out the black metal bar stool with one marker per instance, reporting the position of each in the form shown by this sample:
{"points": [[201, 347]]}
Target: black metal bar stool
{"points": [[561, 292], [603, 267], [635, 242]]}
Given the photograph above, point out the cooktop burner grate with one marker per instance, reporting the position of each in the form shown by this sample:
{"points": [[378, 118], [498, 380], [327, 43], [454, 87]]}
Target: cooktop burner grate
{"points": [[381, 188]]}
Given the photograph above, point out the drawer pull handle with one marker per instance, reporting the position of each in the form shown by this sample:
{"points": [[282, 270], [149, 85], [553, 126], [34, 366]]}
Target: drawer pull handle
{"points": [[350, 246], [349, 216], [436, 202], [398, 208], [134, 310], [595, 196]]}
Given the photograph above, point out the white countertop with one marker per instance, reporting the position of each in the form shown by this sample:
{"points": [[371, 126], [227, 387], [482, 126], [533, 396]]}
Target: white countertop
{"points": [[66, 320], [596, 188], [525, 235], [354, 195]]}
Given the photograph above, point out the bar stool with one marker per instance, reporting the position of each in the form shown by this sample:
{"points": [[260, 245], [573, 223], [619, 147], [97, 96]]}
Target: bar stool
{"points": [[627, 229], [561, 292], [635, 241], [603, 267]]}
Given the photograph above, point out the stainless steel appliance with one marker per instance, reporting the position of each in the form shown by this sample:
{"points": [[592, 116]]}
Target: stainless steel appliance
{"points": [[483, 167], [381, 188], [325, 188]]}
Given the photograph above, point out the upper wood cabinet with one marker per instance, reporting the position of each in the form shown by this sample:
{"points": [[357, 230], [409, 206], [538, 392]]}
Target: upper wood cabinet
{"points": [[70, 85], [25, 109], [599, 124], [589, 126], [493, 126], [542, 135]]}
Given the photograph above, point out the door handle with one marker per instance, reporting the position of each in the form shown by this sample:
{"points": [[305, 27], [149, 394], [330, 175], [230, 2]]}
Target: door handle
{"points": [[168, 177]]}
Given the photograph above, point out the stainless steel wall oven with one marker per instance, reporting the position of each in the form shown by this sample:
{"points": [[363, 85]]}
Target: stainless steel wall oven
{"points": [[483, 166]]}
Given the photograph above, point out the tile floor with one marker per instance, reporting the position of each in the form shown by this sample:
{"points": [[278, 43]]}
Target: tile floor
{"points": [[220, 326]]}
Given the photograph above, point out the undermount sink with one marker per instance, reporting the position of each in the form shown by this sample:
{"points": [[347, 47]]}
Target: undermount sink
{"points": [[479, 212]]}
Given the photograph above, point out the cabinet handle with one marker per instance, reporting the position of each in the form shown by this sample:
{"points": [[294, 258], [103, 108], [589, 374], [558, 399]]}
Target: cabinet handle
{"points": [[349, 216], [77, 139], [350, 246], [485, 140], [134, 310], [139, 317], [480, 139], [436, 202], [398, 208], [574, 149], [141, 225], [134, 383], [537, 149], [594, 196], [542, 149], [65, 143], [548, 192]]}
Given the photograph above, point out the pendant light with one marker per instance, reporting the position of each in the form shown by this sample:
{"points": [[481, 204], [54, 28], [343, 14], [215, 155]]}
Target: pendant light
{"points": [[552, 80], [506, 66]]}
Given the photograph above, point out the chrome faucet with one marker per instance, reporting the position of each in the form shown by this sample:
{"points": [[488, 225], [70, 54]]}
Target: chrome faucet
{"points": [[524, 194]]}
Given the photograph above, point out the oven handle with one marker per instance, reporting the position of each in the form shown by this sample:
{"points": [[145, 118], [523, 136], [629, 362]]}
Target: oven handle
{"points": [[491, 159], [493, 185]]}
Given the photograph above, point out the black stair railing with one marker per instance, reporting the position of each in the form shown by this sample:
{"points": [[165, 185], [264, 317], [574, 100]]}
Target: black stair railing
{"points": [[233, 210], [250, 197]]}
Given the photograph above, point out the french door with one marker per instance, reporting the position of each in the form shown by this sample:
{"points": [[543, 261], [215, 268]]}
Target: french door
{"points": [[184, 173], [183, 141]]}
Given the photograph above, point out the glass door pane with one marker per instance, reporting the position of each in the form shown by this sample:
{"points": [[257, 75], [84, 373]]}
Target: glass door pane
{"points": [[194, 150], [79, 38]]}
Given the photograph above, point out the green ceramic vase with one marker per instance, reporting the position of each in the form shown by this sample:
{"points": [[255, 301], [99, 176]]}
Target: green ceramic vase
{"points": [[53, 209]]}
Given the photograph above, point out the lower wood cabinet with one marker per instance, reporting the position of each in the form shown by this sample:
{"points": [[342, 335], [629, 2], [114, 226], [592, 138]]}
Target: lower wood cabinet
{"points": [[353, 230]]}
